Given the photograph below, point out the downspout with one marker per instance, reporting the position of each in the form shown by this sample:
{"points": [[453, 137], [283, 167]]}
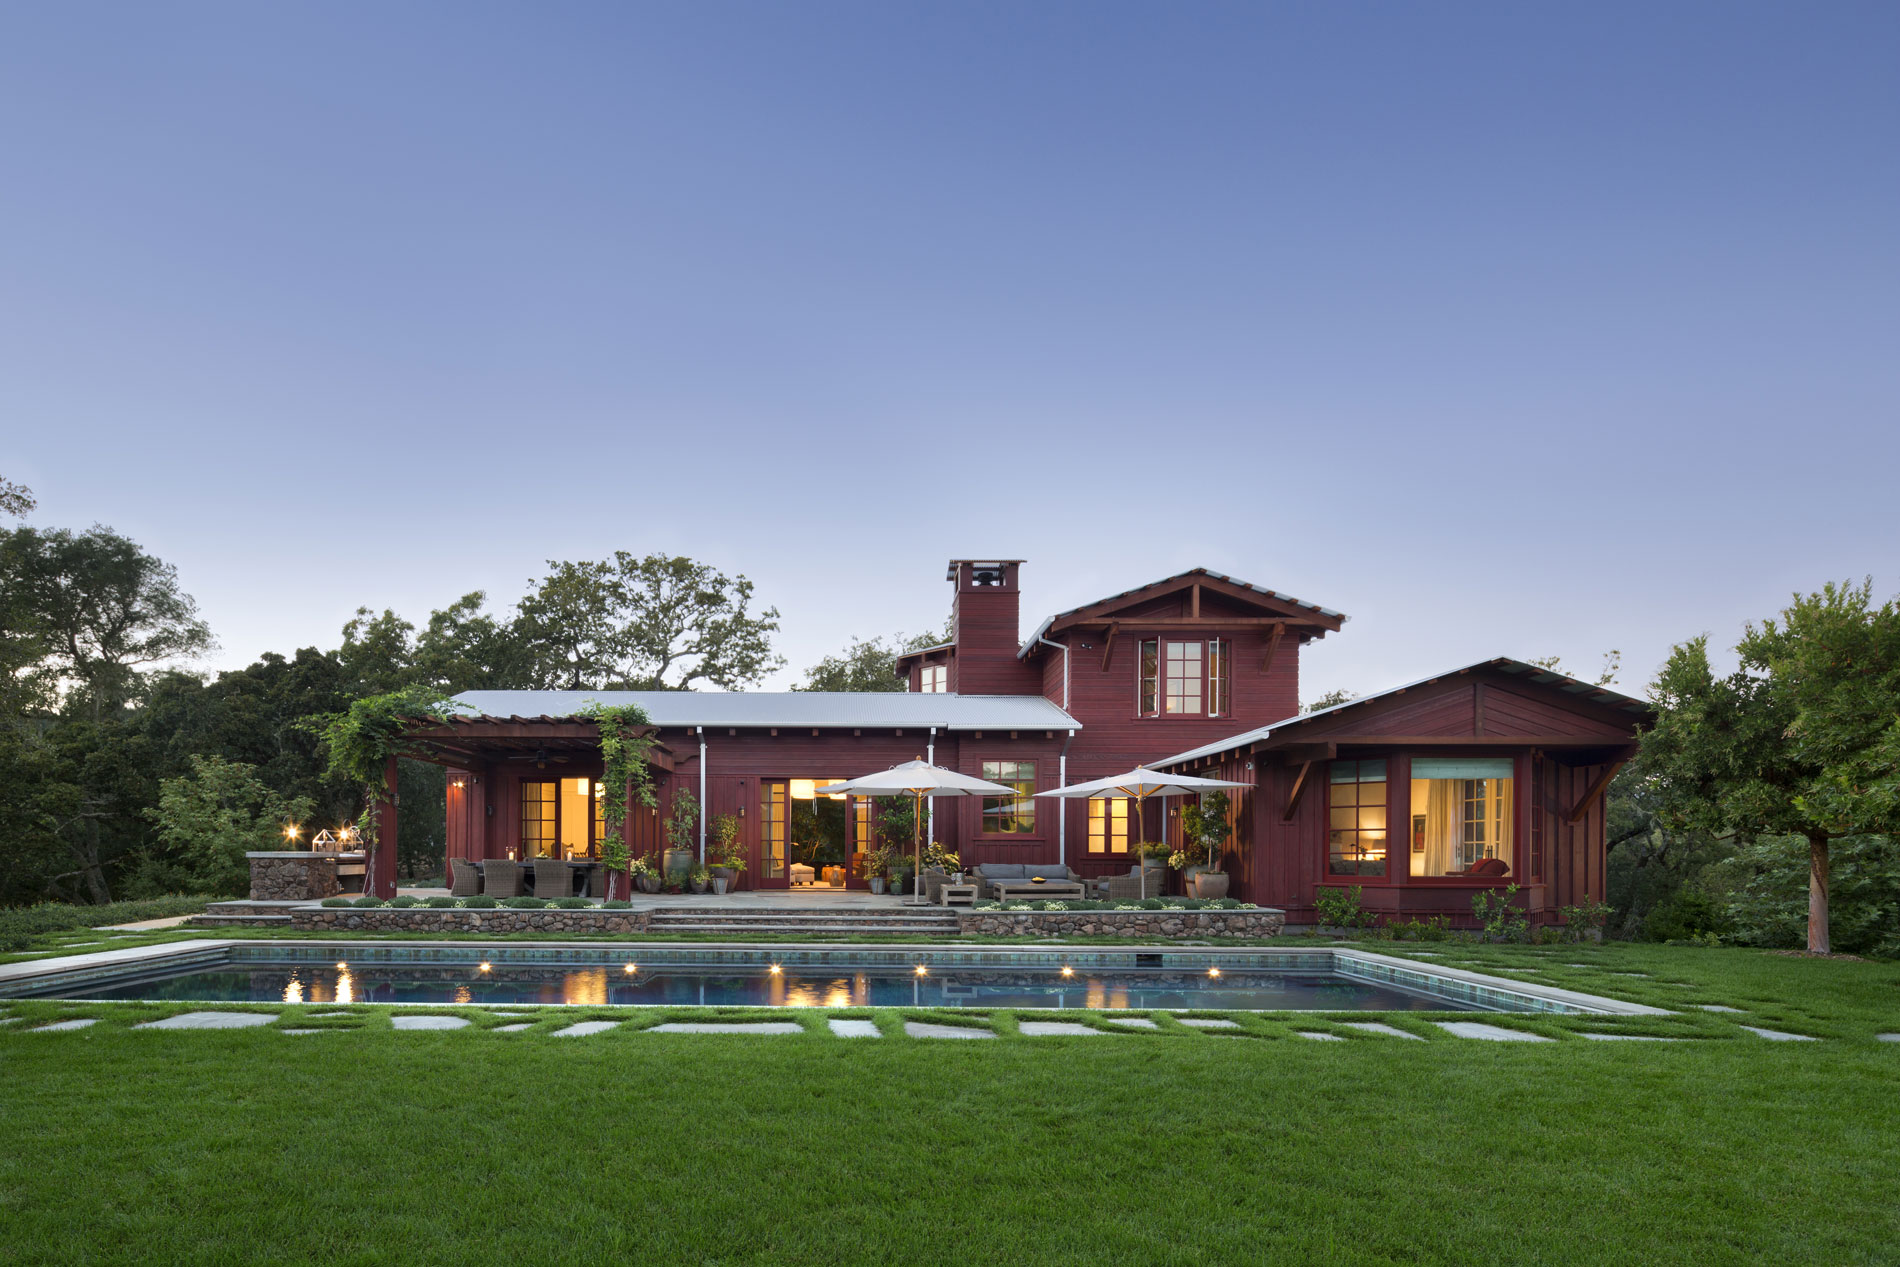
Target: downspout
{"points": [[1062, 780], [702, 796], [930, 756]]}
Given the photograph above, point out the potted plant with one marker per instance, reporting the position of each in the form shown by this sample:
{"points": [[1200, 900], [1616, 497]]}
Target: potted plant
{"points": [[682, 836], [728, 856], [872, 868], [644, 878], [697, 878], [1204, 830], [1154, 860]]}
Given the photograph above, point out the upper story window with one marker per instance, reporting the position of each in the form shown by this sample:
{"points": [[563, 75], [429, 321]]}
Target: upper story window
{"points": [[934, 679], [1462, 811], [1010, 815], [1186, 679]]}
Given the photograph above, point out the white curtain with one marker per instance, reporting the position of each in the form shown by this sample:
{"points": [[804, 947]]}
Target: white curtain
{"points": [[1444, 825]]}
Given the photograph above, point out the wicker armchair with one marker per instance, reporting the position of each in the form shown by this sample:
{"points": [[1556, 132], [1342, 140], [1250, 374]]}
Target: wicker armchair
{"points": [[501, 879], [934, 879], [465, 878], [553, 878], [1125, 888]]}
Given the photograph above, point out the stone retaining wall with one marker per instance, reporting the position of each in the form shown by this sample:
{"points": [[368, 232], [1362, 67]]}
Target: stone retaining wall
{"points": [[1264, 921], [503, 919], [292, 877]]}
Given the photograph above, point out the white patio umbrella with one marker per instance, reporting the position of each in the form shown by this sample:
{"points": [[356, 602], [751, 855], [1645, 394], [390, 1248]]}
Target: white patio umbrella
{"points": [[917, 779], [1141, 783]]}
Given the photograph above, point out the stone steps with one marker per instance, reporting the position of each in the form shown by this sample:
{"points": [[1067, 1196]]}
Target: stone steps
{"points": [[727, 921], [943, 930]]}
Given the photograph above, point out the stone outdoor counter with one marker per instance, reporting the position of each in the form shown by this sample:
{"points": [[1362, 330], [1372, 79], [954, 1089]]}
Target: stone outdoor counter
{"points": [[501, 919], [1263, 921], [292, 877]]}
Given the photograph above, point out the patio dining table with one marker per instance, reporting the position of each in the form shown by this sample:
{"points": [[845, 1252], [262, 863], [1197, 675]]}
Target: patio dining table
{"points": [[584, 870]]}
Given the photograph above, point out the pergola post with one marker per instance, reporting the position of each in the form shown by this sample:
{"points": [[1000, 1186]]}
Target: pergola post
{"points": [[381, 881]]}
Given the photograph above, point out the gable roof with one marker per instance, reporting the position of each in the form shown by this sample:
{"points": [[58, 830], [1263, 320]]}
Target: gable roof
{"points": [[1639, 709], [820, 709], [1337, 618]]}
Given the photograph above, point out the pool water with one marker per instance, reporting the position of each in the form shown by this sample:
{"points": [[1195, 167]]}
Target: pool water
{"points": [[762, 986]]}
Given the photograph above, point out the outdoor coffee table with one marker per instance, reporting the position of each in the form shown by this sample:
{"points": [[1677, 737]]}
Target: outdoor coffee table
{"points": [[1006, 889], [957, 895]]}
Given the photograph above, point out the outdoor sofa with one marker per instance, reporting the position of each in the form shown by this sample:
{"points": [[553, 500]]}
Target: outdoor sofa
{"points": [[988, 873]]}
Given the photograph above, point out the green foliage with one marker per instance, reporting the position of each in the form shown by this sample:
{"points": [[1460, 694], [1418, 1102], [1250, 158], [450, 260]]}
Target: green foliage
{"points": [[360, 741], [525, 903], [481, 902], [727, 851], [945, 860], [1206, 825], [210, 819], [19, 923], [868, 665], [572, 903], [1586, 917], [1430, 928], [1762, 890], [405, 900], [1502, 918], [682, 828], [617, 904], [1342, 908], [337, 901], [625, 742], [367, 902], [1690, 912], [439, 903]]}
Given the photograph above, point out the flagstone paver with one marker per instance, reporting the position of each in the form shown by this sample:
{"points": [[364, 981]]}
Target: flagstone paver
{"points": [[1057, 1029], [923, 1029], [1719, 1007], [854, 1029], [211, 1020], [1198, 1022], [1380, 1027], [1779, 1036], [1133, 1022], [1319, 1036], [1887, 1038], [516, 1028], [729, 1027], [428, 1022], [1489, 1033], [324, 1016], [79, 1022], [1626, 1038], [581, 1029], [308, 1031]]}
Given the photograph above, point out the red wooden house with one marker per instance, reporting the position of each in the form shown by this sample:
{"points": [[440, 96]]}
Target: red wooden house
{"points": [[1199, 669]]}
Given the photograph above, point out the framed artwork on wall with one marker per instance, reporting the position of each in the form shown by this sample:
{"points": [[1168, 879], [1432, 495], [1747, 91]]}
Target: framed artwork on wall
{"points": [[1418, 833]]}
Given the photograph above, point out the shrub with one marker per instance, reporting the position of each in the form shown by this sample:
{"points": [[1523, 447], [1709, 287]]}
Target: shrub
{"points": [[479, 903], [367, 901], [1687, 914], [525, 903], [1503, 919], [1431, 928], [618, 904], [337, 901], [404, 899], [1341, 908], [18, 924], [439, 903], [1153, 904], [572, 903]]}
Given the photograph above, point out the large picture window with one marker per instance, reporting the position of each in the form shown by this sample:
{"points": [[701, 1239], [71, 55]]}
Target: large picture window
{"points": [[1462, 812], [1184, 669], [1108, 825], [1010, 815], [1356, 830]]}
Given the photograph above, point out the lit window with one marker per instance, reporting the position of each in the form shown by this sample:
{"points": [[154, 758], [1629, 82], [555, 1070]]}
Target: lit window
{"points": [[1108, 825], [1356, 828], [1010, 815], [1183, 692], [934, 679], [1461, 816], [538, 801]]}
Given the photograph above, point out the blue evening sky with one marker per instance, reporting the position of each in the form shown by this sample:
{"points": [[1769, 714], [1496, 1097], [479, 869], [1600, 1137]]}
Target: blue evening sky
{"points": [[1504, 328]]}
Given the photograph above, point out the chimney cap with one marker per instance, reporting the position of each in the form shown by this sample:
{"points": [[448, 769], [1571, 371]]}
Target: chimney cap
{"points": [[990, 563]]}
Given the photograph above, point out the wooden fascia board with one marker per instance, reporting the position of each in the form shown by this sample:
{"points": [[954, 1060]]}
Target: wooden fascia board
{"points": [[1096, 614], [1455, 741]]}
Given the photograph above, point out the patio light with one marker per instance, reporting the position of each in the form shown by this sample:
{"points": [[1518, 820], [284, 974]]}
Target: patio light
{"points": [[341, 966], [1213, 972], [775, 970], [1067, 971], [486, 966], [922, 971], [630, 969], [290, 832]]}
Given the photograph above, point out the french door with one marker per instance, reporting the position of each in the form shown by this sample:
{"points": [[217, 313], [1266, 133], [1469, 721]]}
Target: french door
{"points": [[774, 816]]}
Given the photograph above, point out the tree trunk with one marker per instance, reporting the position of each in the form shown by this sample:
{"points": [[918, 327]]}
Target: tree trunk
{"points": [[1817, 895]]}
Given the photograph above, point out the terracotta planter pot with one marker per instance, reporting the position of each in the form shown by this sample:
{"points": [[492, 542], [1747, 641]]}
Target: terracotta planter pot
{"points": [[1210, 885]]}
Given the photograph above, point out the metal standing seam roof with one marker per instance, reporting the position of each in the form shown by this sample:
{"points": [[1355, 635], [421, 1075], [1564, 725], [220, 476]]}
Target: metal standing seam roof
{"points": [[1598, 694], [822, 709], [1024, 650]]}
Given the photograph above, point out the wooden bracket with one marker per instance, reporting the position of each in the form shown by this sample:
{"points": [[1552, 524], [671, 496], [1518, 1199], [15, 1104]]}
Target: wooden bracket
{"points": [[1273, 645], [1194, 602], [1299, 789], [1595, 790], [1108, 644]]}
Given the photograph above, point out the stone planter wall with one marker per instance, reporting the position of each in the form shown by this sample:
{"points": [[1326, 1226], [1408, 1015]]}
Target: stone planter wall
{"points": [[293, 877], [1264, 921], [502, 919]]}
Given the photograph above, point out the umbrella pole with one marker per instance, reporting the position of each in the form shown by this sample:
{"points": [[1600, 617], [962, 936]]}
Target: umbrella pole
{"points": [[917, 847]]}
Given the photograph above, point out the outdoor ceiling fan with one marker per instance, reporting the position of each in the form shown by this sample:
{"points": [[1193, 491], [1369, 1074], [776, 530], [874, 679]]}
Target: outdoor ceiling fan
{"points": [[540, 757]]}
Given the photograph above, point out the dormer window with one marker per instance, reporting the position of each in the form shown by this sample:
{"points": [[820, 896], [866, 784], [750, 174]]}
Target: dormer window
{"points": [[1185, 679], [933, 679]]}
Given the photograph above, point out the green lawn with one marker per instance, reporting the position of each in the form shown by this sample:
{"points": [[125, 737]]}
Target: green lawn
{"points": [[373, 1145]]}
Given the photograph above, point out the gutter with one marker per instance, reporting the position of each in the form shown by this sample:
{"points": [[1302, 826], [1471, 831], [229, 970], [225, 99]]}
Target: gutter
{"points": [[702, 796], [1064, 648]]}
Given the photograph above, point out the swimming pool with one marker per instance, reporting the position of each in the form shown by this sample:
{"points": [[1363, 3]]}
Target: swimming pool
{"points": [[727, 975]]}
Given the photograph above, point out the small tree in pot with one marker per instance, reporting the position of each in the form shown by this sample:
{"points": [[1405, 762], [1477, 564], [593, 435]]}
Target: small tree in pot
{"points": [[1204, 832], [728, 857], [682, 836]]}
